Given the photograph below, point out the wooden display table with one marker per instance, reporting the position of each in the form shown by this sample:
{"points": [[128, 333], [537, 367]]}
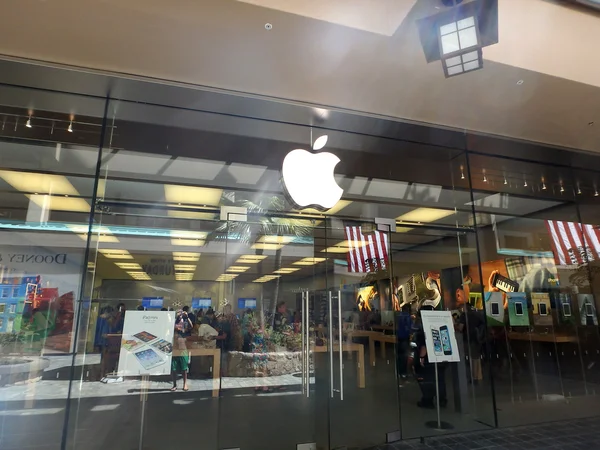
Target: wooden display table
{"points": [[383, 339], [215, 353], [382, 327], [542, 337], [346, 347]]}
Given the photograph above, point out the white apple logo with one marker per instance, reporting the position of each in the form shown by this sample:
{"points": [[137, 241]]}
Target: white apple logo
{"points": [[308, 179]]}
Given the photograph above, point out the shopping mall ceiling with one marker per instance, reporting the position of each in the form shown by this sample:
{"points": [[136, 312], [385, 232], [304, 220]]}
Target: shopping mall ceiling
{"points": [[541, 82]]}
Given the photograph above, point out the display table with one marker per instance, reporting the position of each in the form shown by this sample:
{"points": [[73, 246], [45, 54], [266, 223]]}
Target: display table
{"points": [[215, 353], [346, 347], [382, 327], [383, 339], [542, 337]]}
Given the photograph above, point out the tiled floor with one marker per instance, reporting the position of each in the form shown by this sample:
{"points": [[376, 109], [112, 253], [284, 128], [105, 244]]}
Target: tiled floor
{"points": [[568, 435]]}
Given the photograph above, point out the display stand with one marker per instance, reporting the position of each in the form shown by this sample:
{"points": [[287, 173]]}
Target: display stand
{"points": [[144, 396], [438, 425]]}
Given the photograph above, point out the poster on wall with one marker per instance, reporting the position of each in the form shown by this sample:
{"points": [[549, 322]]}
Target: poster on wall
{"points": [[494, 308], [439, 336], [542, 314], [518, 314], [565, 308], [152, 302], [147, 343], [587, 309]]}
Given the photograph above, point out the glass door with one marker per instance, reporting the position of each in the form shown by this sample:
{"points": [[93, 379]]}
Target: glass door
{"points": [[362, 385], [267, 308]]}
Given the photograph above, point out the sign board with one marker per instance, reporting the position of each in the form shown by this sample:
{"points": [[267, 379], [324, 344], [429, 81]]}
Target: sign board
{"points": [[152, 302], [439, 336], [147, 343]]}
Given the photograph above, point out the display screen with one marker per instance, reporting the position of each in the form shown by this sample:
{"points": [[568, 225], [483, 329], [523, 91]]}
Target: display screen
{"points": [[163, 346], [152, 302], [201, 303], [543, 309], [566, 309], [519, 309], [246, 303], [144, 336], [495, 309], [148, 358], [446, 340]]}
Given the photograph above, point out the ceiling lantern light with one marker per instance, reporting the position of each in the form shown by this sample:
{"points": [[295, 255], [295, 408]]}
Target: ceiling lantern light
{"points": [[457, 34], [460, 47]]}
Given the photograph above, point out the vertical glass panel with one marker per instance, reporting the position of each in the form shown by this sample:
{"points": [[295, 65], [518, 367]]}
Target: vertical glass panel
{"points": [[46, 183], [529, 230]]}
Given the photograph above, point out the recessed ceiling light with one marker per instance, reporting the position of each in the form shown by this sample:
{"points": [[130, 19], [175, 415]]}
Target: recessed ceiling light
{"points": [[239, 269], [425, 215], [128, 266]]}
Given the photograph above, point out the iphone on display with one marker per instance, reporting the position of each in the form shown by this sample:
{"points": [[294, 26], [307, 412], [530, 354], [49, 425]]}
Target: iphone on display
{"points": [[543, 309], [437, 343], [589, 311], [566, 307], [495, 309], [519, 308], [445, 334]]}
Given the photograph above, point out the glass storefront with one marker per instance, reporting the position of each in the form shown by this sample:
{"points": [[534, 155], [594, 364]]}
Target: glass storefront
{"points": [[160, 286]]}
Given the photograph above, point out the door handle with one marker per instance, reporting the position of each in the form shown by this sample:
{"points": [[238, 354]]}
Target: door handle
{"points": [[341, 340], [304, 347], [307, 339], [330, 324]]}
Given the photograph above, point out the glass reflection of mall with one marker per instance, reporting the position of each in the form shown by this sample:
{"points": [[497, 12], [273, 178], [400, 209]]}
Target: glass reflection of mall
{"points": [[117, 216]]}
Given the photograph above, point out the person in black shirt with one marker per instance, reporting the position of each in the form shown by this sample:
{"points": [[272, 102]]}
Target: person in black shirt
{"points": [[191, 315], [281, 319]]}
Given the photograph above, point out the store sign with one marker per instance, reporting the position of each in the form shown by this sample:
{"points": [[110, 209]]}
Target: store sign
{"points": [[33, 258], [439, 336], [308, 179]]}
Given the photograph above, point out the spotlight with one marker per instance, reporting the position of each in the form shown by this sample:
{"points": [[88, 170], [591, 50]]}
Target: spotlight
{"points": [[525, 184], [462, 173], [70, 129], [543, 186], [596, 194], [28, 124], [562, 189], [505, 181], [484, 179], [578, 190]]}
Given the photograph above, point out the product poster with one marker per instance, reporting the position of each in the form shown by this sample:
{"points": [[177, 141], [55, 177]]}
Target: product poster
{"points": [[518, 314], [494, 308], [147, 343], [542, 314], [565, 309], [439, 336], [587, 309]]}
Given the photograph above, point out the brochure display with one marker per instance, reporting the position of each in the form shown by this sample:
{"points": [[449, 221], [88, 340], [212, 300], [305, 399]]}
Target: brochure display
{"points": [[439, 336], [442, 347], [587, 309], [541, 308], [518, 314], [147, 343], [494, 308]]}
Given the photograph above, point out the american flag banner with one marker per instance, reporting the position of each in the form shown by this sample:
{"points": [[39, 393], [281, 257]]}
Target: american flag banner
{"points": [[366, 252], [573, 243]]}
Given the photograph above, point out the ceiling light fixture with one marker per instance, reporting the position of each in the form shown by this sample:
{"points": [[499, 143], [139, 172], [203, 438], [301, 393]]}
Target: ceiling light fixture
{"points": [[562, 189], [320, 142], [70, 129], [596, 193], [460, 46], [525, 184], [578, 190], [28, 123], [462, 173]]}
